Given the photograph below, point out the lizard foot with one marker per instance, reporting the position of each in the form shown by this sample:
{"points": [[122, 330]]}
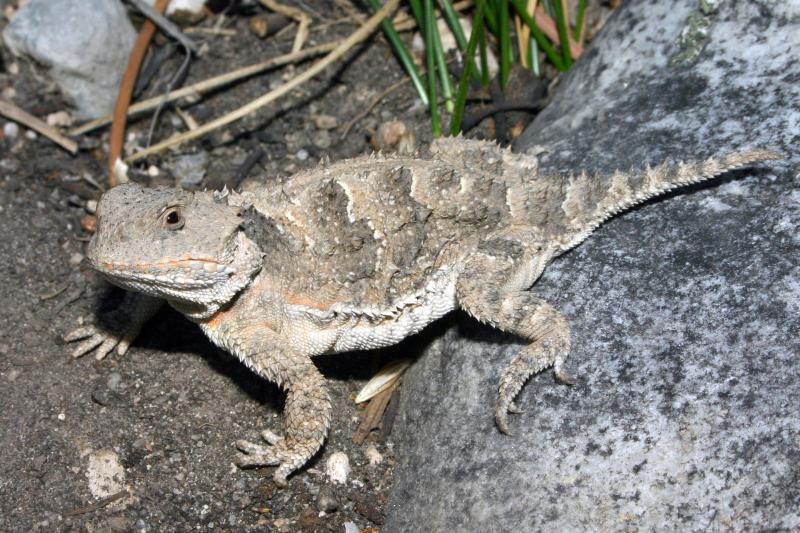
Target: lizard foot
{"points": [[115, 329], [93, 337], [278, 452]]}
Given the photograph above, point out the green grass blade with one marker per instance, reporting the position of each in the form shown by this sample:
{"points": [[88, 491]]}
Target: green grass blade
{"points": [[563, 32], [477, 34], [485, 78], [505, 42], [430, 52], [402, 53], [579, 19], [455, 26], [441, 66]]}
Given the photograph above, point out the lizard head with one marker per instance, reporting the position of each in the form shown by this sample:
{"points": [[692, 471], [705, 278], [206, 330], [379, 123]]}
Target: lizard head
{"points": [[185, 247]]}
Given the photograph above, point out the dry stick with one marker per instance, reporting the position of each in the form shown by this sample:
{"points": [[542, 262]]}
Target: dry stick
{"points": [[9, 110], [117, 135], [155, 16], [356, 37], [210, 84]]}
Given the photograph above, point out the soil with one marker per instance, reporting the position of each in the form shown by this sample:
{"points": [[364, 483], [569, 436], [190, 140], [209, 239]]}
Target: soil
{"points": [[160, 421], [169, 411]]}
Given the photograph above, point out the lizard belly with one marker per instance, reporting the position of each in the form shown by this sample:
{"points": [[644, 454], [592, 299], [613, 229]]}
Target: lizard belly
{"points": [[367, 334], [361, 330]]}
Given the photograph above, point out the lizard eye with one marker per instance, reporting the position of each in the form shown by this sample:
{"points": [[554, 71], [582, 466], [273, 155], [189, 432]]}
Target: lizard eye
{"points": [[172, 219]]}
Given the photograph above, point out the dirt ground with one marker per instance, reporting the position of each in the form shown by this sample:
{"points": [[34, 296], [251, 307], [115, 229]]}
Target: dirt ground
{"points": [[154, 429]]}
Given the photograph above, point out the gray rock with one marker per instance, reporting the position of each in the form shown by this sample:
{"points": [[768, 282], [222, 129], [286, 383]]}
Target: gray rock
{"points": [[85, 45], [190, 169], [684, 312]]}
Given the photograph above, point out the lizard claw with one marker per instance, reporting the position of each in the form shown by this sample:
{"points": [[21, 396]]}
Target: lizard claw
{"points": [[254, 455], [92, 337]]}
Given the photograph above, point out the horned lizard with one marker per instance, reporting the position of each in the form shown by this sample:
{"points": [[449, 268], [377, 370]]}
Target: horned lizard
{"points": [[360, 254]]}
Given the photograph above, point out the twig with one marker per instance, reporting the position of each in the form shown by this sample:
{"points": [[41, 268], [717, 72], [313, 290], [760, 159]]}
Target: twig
{"points": [[356, 37], [117, 136], [99, 504], [212, 31], [373, 413], [17, 114], [154, 15], [210, 84], [303, 21], [375, 101], [247, 165]]}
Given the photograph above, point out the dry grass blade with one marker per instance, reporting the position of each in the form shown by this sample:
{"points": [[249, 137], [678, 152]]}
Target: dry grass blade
{"points": [[356, 37], [195, 90], [384, 379], [17, 114]]}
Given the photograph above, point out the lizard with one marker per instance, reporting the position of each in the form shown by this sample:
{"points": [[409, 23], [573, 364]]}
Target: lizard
{"points": [[360, 254]]}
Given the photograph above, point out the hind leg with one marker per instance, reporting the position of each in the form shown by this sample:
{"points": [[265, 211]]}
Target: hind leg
{"points": [[492, 289]]}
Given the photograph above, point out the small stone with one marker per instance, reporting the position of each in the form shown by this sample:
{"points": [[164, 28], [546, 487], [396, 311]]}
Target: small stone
{"points": [[59, 119], [326, 502], [338, 467], [153, 171], [91, 206], [373, 455], [89, 223], [31, 135], [325, 122], [302, 154], [389, 134], [76, 259], [10, 130], [61, 416], [190, 169], [282, 525], [8, 93], [13, 69], [350, 527], [322, 140]]}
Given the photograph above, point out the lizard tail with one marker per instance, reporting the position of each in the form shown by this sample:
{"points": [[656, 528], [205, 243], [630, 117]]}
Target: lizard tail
{"points": [[590, 201]]}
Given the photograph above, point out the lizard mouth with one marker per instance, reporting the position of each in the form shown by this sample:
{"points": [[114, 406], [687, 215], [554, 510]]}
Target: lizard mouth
{"points": [[186, 273]]}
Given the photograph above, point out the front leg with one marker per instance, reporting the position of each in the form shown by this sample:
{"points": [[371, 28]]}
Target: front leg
{"points": [[307, 412], [115, 329], [492, 288]]}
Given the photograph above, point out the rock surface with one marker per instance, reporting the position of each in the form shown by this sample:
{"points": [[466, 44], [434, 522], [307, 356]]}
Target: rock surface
{"points": [[684, 312], [85, 45]]}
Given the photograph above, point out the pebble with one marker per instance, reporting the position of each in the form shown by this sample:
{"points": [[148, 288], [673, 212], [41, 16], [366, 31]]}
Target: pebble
{"points": [[322, 140], [350, 527], [301, 154], [325, 122], [153, 171], [10, 130], [75, 259], [59, 119], [338, 467], [91, 206], [373, 455], [190, 169], [326, 501], [30, 134]]}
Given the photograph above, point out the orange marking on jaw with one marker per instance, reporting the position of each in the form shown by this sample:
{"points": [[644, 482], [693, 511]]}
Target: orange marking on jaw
{"points": [[150, 266]]}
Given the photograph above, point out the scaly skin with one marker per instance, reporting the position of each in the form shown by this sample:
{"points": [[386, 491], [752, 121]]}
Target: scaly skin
{"points": [[361, 254]]}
